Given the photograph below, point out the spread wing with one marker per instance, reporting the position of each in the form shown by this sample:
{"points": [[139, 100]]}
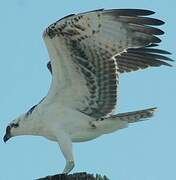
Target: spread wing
{"points": [[89, 50]]}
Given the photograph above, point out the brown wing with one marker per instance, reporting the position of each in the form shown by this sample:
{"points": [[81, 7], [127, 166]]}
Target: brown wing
{"points": [[141, 58], [83, 48]]}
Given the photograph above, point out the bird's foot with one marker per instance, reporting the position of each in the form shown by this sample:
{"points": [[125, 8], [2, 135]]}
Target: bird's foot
{"points": [[68, 167]]}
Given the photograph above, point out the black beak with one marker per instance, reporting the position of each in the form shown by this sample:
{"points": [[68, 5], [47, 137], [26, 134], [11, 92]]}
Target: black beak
{"points": [[8, 134]]}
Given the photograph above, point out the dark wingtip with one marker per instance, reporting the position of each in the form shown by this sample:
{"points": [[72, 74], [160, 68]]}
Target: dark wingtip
{"points": [[130, 12], [152, 45], [142, 12], [156, 22], [167, 64], [156, 39], [157, 31]]}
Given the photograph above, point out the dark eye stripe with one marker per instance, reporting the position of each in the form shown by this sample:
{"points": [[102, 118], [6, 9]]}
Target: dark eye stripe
{"points": [[15, 125]]}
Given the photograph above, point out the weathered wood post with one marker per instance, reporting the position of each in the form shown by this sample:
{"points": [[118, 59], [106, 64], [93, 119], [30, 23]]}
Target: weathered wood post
{"points": [[75, 176]]}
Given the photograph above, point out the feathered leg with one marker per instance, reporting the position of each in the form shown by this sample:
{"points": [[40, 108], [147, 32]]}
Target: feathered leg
{"points": [[65, 144]]}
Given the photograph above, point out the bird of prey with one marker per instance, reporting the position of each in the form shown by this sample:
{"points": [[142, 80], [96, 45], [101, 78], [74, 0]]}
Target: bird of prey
{"points": [[88, 52]]}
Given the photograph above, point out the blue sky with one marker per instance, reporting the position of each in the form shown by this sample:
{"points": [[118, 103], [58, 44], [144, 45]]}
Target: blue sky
{"points": [[144, 151]]}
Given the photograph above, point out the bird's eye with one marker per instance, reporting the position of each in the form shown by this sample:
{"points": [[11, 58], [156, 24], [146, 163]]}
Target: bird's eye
{"points": [[15, 125]]}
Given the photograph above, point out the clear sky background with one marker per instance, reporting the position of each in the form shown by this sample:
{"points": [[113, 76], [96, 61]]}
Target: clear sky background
{"points": [[144, 151]]}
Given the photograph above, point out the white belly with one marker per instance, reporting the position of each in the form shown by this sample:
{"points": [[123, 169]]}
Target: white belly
{"points": [[78, 136], [72, 122], [75, 124], [84, 135]]}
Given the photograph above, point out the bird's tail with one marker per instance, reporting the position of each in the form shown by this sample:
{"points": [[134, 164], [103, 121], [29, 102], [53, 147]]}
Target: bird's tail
{"points": [[135, 116]]}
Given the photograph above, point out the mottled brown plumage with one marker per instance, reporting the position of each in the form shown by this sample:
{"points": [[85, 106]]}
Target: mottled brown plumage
{"points": [[105, 43]]}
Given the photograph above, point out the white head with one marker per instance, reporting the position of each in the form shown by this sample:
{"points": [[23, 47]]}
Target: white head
{"points": [[19, 126]]}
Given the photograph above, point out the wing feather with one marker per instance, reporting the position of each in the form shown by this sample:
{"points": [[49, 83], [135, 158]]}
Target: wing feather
{"points": [[140, 58], [89, 50]]}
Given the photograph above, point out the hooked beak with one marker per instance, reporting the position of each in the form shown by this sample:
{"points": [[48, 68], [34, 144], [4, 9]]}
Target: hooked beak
{"points": [[7, 135]]}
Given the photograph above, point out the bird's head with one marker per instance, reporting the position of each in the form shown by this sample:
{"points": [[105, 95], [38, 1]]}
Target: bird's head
{"points": [[12, 129], [19, 126], [23, 125]]}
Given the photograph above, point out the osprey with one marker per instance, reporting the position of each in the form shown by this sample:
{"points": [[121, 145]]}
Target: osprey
{"points": [[88, 52]]}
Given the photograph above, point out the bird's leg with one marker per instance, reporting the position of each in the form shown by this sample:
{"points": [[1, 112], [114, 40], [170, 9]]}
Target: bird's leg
{"points": [[65, 144]]}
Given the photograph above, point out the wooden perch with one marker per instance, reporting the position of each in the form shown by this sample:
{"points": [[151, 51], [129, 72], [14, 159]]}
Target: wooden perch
{"points": [[75, 176]]}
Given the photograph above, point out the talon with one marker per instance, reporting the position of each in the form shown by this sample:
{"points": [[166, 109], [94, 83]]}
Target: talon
{"points": [[68, 167]]}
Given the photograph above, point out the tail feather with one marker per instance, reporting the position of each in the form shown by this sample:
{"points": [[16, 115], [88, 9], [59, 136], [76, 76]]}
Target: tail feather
{"points": [[135, 116]]}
